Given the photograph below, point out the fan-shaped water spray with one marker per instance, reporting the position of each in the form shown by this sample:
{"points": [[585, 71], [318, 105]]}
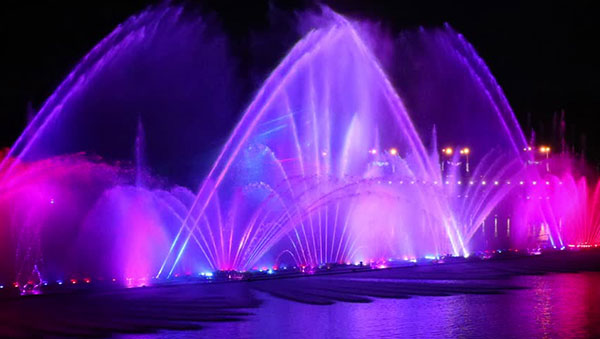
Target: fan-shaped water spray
{"points": [[331, 162], [329, 116]]}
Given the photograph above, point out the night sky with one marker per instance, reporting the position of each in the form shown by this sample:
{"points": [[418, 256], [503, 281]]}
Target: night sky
{"points": [[544, 55]]}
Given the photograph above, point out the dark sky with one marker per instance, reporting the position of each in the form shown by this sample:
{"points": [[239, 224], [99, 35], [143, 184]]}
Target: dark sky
{"points": [[544, 55]]}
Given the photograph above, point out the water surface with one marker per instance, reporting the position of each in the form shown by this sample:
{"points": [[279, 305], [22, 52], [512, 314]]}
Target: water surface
{"points": [[565, 305]]}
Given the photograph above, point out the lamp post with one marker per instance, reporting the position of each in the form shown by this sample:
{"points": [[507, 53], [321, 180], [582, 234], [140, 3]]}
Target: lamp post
{"points": [[447, 152], [393, 152], [465, 151], [546, 150]]}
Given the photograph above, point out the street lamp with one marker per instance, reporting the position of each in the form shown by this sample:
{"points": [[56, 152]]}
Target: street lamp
{"points": [[465, 151], [447, 151], [546, 150]]}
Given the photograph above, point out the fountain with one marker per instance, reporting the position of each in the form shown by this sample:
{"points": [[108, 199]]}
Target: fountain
{"points": [[333, 161]]}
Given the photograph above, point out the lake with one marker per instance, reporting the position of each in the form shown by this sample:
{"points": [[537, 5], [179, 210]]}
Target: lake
{"points": [[557, 305]]}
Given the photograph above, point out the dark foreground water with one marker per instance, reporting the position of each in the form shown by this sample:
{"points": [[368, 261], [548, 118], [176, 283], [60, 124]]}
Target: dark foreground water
{"points": [[554, 295], [562, 305]]}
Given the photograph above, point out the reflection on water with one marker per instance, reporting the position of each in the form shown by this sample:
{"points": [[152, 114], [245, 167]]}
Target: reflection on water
{"points": [[555, 306]]}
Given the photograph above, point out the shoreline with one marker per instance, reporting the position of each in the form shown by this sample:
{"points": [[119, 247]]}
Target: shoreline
{"points": [[187, 306]]}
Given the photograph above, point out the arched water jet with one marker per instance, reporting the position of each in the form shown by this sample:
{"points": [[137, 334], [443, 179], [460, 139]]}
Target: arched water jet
{"points": [[325, 152], [309, 100]]}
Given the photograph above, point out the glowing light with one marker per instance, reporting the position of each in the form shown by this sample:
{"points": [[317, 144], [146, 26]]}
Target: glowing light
{"points": [[447, 151], [465, 151], [544, 149], [496, 183], [430, 257], [373, 151], [52, 201], [393, 151]]}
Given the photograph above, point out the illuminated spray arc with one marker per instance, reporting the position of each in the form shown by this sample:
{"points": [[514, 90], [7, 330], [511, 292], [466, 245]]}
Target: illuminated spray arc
{"points": [[327, 114], [78, 153], [329, 163]]}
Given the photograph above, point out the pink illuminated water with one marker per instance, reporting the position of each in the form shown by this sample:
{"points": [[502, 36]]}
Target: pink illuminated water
{"points": [[336, 159]]}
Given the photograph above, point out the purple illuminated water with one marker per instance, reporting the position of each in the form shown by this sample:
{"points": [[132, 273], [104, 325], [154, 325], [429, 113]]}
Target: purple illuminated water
{"points": [[336, 159], [562, 306]]}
